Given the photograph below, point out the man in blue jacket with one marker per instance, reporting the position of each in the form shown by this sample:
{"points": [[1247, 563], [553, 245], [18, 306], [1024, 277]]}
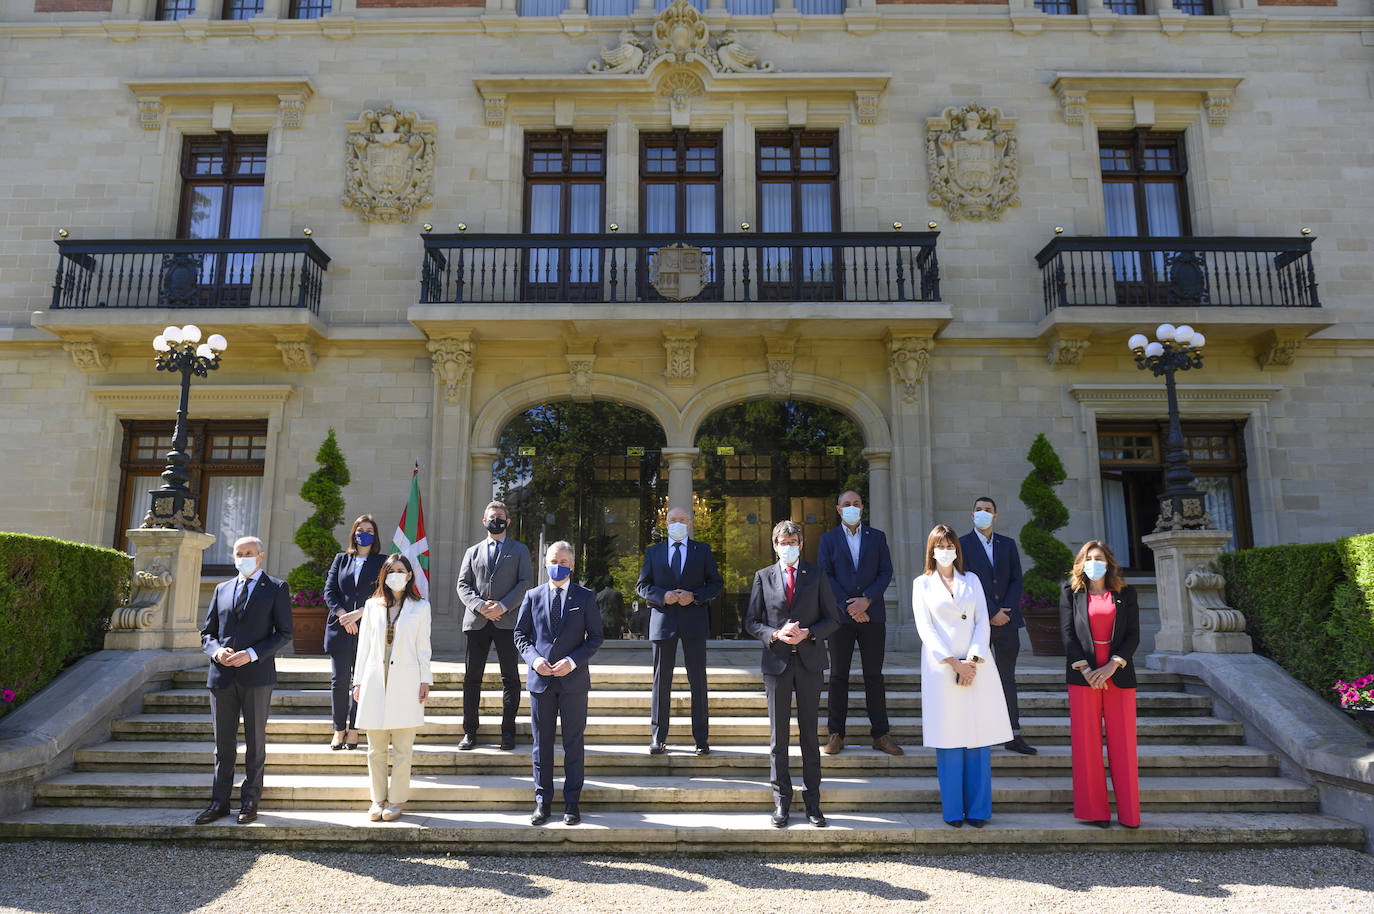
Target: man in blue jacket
{"points": [[993, 557], [858, 567]]}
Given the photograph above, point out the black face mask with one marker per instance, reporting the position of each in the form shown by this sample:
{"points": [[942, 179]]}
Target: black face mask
{"points": [[496, 525]]}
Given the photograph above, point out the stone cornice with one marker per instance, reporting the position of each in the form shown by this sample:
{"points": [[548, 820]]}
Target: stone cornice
{"points": [[263, 100], [1098, 395], [160, 400]]}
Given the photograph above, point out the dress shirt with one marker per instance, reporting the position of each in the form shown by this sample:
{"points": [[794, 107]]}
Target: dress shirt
{"points": [[250, 582], [358, 561], [676, 559], [563, 599], [853, 539], [986, 540]]}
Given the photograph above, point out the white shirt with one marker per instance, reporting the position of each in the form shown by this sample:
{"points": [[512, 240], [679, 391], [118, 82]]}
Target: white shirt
{"points": [[986, 540], [854, 539], [358, 561]]}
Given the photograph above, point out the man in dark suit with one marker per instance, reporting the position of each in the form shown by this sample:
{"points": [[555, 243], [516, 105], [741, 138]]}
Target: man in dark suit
{"points": [[248, 622], [678, 578], [856, 563], [993, 557], [792, 611], [557, 631], [491, 583]]}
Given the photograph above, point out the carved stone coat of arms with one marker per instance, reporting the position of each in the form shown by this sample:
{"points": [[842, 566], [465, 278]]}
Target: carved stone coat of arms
{"points": [[972, 155], [389, 165]]}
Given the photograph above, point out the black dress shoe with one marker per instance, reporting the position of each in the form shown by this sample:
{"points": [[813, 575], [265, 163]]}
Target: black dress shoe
{"points": [[959, 824], [1100, 823], [540, 815], [977, 823], [815, 817], [248, 813], [1018, 744], [703, 750], [572, 815], [658, 748], [216, 810], [507, 743], [469, 742], [780, 815]]}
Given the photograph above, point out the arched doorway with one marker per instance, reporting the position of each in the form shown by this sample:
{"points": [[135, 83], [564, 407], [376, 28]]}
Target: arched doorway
{"points": [[591, 474], [761, 462]]}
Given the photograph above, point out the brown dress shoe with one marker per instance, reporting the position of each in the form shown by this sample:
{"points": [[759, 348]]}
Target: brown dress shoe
{"points": [[884, 743], [216, 810], [834, 744], [248, 813]]}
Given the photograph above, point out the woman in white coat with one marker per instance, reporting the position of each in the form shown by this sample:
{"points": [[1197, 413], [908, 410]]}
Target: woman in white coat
{"points": [[391, 681], [963, 713]]}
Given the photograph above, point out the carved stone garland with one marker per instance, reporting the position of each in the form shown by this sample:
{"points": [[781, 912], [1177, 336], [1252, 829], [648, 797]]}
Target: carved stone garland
{"points": [[973, 159], [681, 34], [389, 165]]}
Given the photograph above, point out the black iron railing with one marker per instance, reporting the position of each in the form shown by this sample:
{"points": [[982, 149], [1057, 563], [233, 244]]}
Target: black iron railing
{"points": [[1222, 272], [190, 273], [744, 267]]}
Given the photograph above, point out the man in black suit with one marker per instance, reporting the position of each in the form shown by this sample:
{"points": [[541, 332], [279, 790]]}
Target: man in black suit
{"points": [[678, 578], [993, 557], [491, 583], [792, 611], [557, 631], [248, 622]]}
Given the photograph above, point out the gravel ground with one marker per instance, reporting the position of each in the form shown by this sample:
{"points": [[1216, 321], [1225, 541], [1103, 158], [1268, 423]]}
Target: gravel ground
{"points": [[74, 878]]}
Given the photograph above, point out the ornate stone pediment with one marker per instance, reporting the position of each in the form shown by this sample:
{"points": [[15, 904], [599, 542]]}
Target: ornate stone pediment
{"points": [[389, 165], [973, 161], [679, 35]]}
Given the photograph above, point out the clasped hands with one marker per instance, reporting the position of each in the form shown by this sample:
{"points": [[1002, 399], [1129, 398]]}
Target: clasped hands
{"points": [[964, 671], [792, 633], [857, 607], [227, 656], [561, 668], [1002, 617], [492, 610], [1098, 678], [349, 621], [679, 597]]}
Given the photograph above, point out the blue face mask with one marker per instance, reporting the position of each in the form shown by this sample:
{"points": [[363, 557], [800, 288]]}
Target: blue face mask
{"points": [[1095, 570], [850, 514], [559, 572], [982, 519], [363, 538]]}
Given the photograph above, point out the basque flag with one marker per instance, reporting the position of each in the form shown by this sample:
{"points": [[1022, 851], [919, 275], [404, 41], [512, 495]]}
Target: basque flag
{"points": [[410, 540]]}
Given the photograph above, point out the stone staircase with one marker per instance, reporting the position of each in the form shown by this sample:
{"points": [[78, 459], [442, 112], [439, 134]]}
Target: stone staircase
{"points": [[1200, 785]]}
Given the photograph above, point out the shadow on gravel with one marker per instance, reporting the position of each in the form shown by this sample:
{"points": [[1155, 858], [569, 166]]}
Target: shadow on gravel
{"points": [[767, 873]]}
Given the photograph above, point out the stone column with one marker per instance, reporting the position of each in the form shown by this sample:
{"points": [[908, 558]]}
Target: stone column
{"points": [[164, 606], [680, 476], [482, 460], [908, 356], [879, 487], [1193, 615], [448, 512]]}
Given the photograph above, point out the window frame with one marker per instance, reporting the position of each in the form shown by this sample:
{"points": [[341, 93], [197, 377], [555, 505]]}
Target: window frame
{"points": [[315, 8], [567, 143], [795, 287], [681, 140], [1137, 142], [174, 10]]}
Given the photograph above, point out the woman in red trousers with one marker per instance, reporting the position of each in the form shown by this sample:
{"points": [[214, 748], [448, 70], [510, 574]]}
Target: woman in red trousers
{"points": [[1100, 623]]}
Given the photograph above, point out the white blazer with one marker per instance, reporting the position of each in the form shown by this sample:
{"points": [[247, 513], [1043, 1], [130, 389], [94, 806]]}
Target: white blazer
{"points": [[392, 702], [956, 625]]}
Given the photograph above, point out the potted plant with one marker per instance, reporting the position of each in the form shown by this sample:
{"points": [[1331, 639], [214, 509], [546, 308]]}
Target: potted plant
{"points": [[1052, 559], [315, 537], [1358, 698]]}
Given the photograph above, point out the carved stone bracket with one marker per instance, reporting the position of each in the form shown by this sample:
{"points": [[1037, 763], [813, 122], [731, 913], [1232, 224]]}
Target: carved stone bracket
{"points": [[973, 160], [291, 110], [781, 351], [866, 108], [389, 164], [1216, 626], [494, 107], [909, 354], [1279, 349], [1116, 100], [88, 355], [297, 355], [1218, 109], [681, 346], [1075, 107], [581, 356], [150, 113], [451, 358], [1066, 351], [150, 588]]}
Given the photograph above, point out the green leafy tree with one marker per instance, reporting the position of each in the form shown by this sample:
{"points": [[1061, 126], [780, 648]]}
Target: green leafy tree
{"points": [[315, 537], [1052, 559]]}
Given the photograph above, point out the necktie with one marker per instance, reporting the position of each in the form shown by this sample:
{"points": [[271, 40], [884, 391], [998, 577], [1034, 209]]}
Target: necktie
{"points": [[241, 601], [677, 559], [492, 552], [557, 613], [791, 585]]}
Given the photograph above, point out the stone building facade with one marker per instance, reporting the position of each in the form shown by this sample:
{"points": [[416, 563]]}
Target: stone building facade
{"points": [[982, 128]]}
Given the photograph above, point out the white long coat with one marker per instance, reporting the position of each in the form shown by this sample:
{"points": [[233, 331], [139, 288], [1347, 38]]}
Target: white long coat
{"points": [[392, 702], [957, 626]]}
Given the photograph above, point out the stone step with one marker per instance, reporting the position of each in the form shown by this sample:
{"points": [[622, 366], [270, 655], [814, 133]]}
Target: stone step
{"points": [[841, 793], [667, 832], [636, 702], [724, 730], [633, 760]]}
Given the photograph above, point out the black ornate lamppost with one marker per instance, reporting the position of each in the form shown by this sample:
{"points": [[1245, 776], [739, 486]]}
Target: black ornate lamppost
{"points": [[173, 505], [1174, 349]]}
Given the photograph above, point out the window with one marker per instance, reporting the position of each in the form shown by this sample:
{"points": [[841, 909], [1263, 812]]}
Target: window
{"points": [[565, 182], [1131, 455], [310, 9], [798, 191], [820, 7], [242, 9], [749, 7], [1194, 7], [222, 187], [226, 465], [679, 191], [545, 7], [1145, 196], [1056, 7], [168, 10], [1125, 7]]}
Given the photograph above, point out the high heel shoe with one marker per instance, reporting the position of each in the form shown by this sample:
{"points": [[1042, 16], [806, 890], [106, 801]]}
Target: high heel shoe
{"points": [[338, 742], [354, 743]]}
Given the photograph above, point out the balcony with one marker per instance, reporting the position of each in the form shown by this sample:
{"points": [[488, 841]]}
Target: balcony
{"points": [[189, 274], [738, 268]]}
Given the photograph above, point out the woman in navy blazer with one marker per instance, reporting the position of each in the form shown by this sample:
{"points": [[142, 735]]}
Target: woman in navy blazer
{"points": [[352, 579]]}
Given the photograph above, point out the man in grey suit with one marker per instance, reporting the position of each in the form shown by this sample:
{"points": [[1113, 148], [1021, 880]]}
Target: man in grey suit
{"points": [[491, 583], [247, 624]]}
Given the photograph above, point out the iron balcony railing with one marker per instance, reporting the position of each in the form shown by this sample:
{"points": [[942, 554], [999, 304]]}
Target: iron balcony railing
{"points": [[190, 273], [730, 268], [1222, 272]]}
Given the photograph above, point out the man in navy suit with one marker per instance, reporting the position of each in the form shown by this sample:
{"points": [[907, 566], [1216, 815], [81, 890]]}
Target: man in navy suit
{"points": [[678, 578], [557, 630], [993, 557], [248, 622], [856, 562], [792, 611]]}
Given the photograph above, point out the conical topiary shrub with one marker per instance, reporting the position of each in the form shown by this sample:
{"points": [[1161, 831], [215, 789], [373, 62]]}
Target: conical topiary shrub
{"points": [[315, 537], [1052, 559]]}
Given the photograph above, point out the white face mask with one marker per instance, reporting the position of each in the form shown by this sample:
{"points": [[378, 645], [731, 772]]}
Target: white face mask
{"points": [[677, 532], [397, 580], [1095, 569], [944, 557], [246, 564], [982, 519], [789, 554], [850, 514]]}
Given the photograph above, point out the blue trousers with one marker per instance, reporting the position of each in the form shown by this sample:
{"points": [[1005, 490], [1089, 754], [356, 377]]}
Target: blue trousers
{"points": [[546, 708], [965, 783]]}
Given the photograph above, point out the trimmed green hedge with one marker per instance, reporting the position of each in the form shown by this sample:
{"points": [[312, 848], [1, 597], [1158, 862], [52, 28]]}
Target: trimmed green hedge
{"points": [[1308, 607], [56, 599]]}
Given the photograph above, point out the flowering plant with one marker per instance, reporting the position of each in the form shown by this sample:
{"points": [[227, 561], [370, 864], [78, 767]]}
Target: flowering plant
{"points": [[1357, 695], [7, 696], [307, 598]]}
